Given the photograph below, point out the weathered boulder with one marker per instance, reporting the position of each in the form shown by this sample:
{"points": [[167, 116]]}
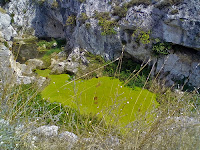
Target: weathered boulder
{"points": [[75, 62]]}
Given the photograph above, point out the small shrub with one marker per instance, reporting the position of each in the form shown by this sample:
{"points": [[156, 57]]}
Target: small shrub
{"points": [[162, 48], [141, 36], [166, 3], [40, 2], [55, 4], [87, 25], [71, 21], [174, 11], [45, 45], [12, 18], [83, 17], [138, 2], [6, 44], [102, 15], [128, 67], [107, 26], [120, 11]]}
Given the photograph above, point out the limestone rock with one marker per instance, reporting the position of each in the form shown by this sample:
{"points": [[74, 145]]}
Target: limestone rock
{"points": [[178, 24], [7, 31], [72, 64], [47, 131], [68, 136], [35, 64], [180, 67]]}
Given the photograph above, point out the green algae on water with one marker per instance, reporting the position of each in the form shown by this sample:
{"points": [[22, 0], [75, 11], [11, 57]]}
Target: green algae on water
{"points": [[103, 96]]}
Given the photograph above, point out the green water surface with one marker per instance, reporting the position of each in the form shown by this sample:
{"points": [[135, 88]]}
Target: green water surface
{"points": [[103, 96]]}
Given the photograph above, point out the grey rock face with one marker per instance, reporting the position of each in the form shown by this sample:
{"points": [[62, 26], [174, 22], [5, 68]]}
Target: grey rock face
{"points": [[178, 24], [24, 13], [7, 31], [180, 66], [8, 70]]}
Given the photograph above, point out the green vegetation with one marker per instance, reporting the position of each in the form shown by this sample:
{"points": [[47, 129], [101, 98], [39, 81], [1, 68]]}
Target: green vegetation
{"points": [[168, 3], [141, 36], [174, 11], [97, 109], [48, 48], [68, 117], [40, 2], [138, 2], [97, 96], [82, 1], [83, 17], [12, 18], [71, 21], [54, 4], [107, 27], [120, 11], [128, 68], [162, 48], [87, 25], [102, 15]]}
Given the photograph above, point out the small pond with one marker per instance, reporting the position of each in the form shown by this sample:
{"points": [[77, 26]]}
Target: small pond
{"points": [[103, 96]]}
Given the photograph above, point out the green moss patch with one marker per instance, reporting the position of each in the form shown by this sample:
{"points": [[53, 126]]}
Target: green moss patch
{"points": [[103, 96]]}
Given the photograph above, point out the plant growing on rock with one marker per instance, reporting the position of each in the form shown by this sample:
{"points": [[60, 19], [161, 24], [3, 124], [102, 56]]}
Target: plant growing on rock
{"points": [[107, 27], [82, 1], [87, 25], [167, 3], [83, 17], [162, 48], [54, 4], [71, 20], [141, 36], [120, 11], [138, 2], [101, 15]]}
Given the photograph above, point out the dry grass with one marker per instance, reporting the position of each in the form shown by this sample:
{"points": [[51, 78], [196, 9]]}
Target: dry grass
{"points": [[176, 126]]}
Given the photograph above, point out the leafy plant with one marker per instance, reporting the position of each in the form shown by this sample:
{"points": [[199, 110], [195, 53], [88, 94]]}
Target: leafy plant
{"points": [[142, 36], [120, 11], [87, 25], [107, 26], [83, 17], [71, 20], [162, 48], [55, 4], [128, 67]]}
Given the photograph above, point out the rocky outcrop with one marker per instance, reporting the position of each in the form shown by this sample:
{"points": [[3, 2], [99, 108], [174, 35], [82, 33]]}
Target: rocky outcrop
{"points": [[75, 62], [177, 23], [182, 67]]}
